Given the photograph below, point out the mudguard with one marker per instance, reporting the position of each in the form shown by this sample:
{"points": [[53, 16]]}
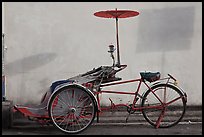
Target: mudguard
{"points": [[78, 85], [170, 83]]}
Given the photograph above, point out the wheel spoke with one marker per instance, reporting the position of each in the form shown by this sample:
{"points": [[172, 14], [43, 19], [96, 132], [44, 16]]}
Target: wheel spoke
{"points": [[173, 102], [72, 109]]}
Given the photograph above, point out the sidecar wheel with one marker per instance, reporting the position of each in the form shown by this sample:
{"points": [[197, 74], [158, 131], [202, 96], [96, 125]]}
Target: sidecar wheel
{"points": [[72, 109]]}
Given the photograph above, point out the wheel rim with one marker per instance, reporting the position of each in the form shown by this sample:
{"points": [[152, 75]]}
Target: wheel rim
{"points": [[72, 110], [174, 106]]}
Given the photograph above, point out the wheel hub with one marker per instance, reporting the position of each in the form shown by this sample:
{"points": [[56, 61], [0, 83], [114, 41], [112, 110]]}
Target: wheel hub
{"points": [[73, 110]]}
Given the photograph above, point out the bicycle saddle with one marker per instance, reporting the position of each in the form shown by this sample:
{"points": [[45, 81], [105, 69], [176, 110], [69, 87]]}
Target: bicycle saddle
{"points": [[150, 76]]}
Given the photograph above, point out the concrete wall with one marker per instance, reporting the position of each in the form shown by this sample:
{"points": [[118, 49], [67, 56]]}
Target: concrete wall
{"points": [[52, 41]]}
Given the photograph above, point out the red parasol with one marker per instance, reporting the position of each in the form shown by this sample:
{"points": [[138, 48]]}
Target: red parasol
{"points": [[116, 14]]}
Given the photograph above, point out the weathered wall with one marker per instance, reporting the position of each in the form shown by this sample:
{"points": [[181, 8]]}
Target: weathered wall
{"points": [[51, 41]]}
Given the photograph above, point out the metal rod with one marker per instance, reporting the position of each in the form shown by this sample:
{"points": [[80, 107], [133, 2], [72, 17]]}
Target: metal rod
{"points": [[122, 82], [118, 52], [118, 92], [3, 53]]}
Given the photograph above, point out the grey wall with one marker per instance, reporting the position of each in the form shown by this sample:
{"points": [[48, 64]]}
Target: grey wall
{"points": [[52, 41]]}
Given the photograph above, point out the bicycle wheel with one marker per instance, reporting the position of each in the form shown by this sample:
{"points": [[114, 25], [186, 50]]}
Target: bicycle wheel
{"points": [[165, 106], [72, 109]]}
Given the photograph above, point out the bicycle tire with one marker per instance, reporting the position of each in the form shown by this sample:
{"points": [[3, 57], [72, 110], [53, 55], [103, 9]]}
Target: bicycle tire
{"points": [[72, 109], [173, 113]]}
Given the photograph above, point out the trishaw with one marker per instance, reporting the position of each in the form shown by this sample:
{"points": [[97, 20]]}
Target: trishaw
{"points": [[72, 104]]}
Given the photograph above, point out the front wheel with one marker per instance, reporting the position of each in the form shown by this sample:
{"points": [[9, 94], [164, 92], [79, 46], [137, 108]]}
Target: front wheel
{"points": [[72, 109], [164, 105]]}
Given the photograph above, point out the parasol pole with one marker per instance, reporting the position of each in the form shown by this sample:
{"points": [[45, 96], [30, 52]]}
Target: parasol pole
{"points": [[118, 52], [116, 14]]}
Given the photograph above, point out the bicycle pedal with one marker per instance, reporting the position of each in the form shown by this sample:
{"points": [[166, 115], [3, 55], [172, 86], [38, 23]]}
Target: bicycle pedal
{"points": [[126, 120]]}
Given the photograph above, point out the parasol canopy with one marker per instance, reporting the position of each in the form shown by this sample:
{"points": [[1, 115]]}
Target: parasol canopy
{"points": [[116, 13]]}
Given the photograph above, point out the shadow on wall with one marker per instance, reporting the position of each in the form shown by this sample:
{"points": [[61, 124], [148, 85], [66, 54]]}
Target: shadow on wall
{"points": [[29, 63], [165, 29]]}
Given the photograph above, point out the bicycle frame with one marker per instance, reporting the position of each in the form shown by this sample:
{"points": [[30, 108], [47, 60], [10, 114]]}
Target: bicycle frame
{"points": [[136, 94], [119, 92], [133, 107]]}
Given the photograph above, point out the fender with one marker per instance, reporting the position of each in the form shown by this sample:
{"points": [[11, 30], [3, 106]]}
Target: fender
{"points": [[78, 85], [170, 83], [179, 88], [154, 84]]}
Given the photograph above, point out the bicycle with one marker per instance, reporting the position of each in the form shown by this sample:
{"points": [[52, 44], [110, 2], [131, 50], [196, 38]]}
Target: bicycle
{"points": [[71, 105]]}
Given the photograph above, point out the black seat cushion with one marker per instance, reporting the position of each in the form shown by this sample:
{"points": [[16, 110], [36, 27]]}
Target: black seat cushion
{"points": [[150, 76]]}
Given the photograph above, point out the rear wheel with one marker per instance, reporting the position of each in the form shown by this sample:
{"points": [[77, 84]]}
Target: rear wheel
{"points": [[72, 109], [166, 105]]}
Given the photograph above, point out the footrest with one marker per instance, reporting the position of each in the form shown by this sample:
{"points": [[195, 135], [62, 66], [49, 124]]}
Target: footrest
{"points": [[32, 111]]}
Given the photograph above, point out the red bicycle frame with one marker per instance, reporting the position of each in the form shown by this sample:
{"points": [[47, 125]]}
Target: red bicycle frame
{"points": [[140, 80], [136, 94]]}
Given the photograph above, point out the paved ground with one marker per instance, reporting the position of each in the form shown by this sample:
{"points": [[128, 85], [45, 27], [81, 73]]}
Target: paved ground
{"points": [[113, 123], [109, 129]]}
